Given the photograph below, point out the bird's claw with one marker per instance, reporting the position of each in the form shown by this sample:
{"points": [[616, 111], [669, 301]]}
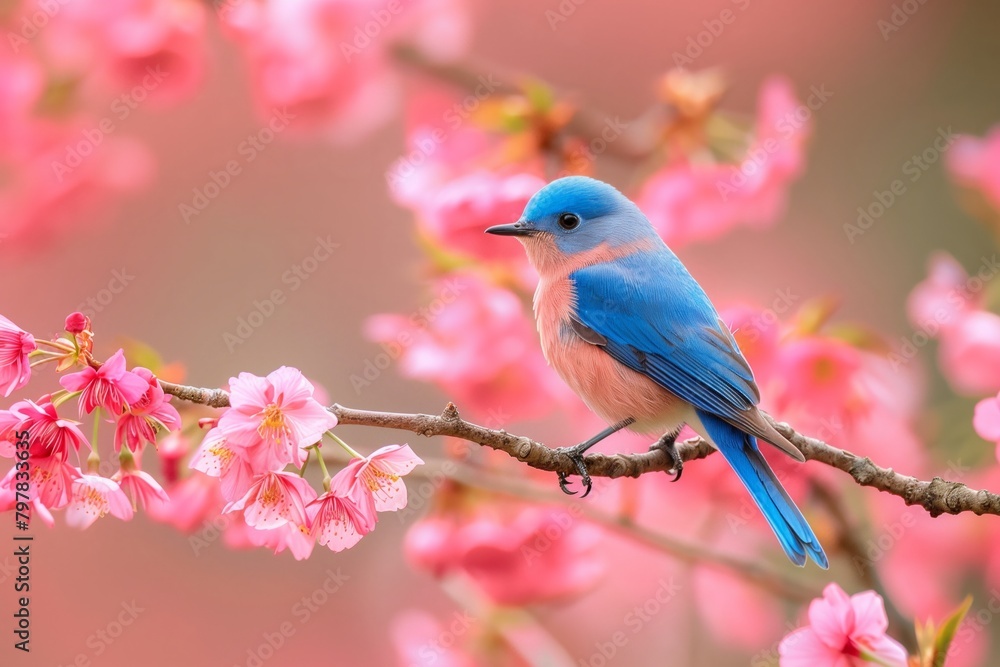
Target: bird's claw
{"points": [[581, 468], [668, 443]]}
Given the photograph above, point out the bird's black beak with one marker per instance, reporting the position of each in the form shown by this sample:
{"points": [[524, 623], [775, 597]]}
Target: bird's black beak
{"points": [[519, 228]]}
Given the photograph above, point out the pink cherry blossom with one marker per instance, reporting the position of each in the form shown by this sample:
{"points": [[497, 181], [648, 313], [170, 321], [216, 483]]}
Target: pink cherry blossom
{"points": [[77, 322], [970, 353], [987, 420], [975, 163], [517, 562], [818, 370], [22, 84], [94, 497], [274, 499], [298, 64], [9, 500], [380, 475], [51, 481], [8, 433], [155, 46], [462, 208], [479, 345], [515, 556], [193, 502], [42, 195], [15, 346], [217, 457], [948, 305], [843, 632], [274, 418], [428, 544], [416, 636], [238, 535], [942, 298], [442, 29], [110, 387], [318, 61], [145, 416], [693, 201], [141, 487], [757, 332], [48, 433], [172, 450], [342, 516], [437, 151]]}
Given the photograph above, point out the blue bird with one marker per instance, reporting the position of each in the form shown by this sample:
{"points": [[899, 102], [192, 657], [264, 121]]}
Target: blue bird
{"points": [[636, 337]]}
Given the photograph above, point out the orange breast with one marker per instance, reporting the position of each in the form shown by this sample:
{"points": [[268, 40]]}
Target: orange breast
{"points": [[612, 390]]}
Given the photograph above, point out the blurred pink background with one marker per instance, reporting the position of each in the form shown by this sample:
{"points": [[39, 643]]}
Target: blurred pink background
{"points": [[192, 282]]}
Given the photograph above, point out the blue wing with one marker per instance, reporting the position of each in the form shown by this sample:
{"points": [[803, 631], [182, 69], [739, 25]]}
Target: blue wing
{"points": [[657, 320]]}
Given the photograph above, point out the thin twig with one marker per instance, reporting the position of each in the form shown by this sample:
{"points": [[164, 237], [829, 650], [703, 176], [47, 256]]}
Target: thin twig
{"points": [[632, 140], [849, 533], [755, 572], [938, 496]]}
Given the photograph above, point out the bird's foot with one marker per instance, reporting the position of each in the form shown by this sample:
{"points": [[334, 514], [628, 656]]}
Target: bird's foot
{"points": [[668, 443], [576, 454]]}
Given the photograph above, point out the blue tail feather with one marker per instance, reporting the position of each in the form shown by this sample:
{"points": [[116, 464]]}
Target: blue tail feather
{"points": [[790, 527]]}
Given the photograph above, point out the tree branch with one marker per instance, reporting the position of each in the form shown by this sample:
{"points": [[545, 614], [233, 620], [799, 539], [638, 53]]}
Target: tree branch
{"points": [[938, 496], [638, 136]]}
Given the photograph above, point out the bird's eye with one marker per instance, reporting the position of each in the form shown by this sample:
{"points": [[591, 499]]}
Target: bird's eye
{"points": [[569, 220]]}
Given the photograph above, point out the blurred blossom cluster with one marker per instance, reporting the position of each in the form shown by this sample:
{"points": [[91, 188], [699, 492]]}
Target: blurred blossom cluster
{"points": [[473, 157], [75, 71]]}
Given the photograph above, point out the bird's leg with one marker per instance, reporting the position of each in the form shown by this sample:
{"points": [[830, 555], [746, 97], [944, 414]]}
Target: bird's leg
{"points": [[668, 443], [576, 453]]}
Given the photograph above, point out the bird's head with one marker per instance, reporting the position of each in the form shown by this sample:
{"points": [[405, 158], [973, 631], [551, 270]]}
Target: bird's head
{"points": [[578, 220]]}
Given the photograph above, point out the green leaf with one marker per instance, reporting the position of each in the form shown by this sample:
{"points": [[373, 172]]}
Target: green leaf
{"points": [[947, 632], [540, 95]]}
